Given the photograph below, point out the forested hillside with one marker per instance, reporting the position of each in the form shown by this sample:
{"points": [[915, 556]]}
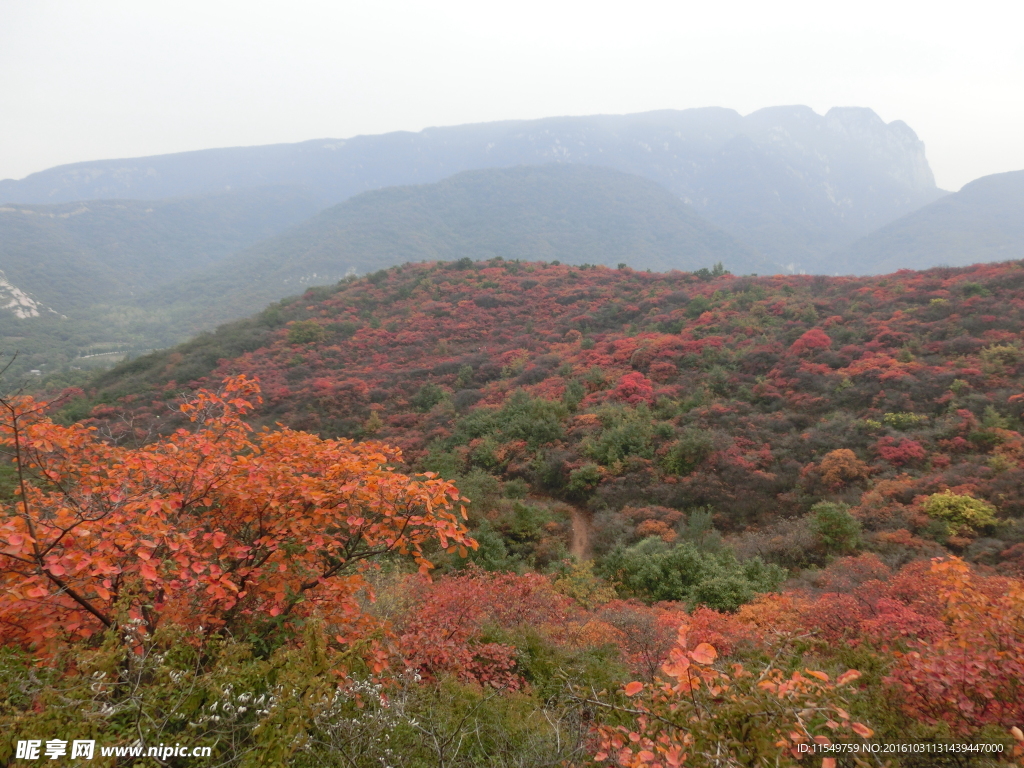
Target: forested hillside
{"points": [[78, 255], [672, 519], [571, 213], [984, 221], [85, 267]]}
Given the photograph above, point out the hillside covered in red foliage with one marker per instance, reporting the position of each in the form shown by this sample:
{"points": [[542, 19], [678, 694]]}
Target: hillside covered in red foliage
{"points": [[638, 396]]}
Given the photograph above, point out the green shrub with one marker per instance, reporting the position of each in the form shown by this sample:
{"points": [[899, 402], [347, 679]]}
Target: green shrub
{"points": [[306, 332], [491, 553], [653, 570], [627, 432], [836, 529], [583, 481], [448, 464], [465, 377], [697, 306], [481, 488], [904, 421], [346, 329], [484, 453], [429, 395], [574, 394], [517, 488], [532, 419], [698, 528], [688, 452]]}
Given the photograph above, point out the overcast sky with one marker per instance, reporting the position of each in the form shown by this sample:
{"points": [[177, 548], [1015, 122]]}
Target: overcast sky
{"points": [[90, 80]]}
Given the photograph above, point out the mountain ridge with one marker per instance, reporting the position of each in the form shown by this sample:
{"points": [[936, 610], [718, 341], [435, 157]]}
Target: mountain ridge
{"points": [[806, 199]]}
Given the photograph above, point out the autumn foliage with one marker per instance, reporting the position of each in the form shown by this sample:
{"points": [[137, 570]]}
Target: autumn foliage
{"points": [[735, 393], [701, 713], [972, 673], [210, 528], [442, 632], [858, 440]]}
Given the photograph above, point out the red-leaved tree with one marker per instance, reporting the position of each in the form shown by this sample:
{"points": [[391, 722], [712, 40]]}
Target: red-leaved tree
{"points": [[208, 528]]}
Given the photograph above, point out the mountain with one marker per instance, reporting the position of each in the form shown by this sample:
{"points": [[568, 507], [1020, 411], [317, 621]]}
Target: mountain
{"points": [[982, 222], [572, 213], [76, 255], [793, 184]]}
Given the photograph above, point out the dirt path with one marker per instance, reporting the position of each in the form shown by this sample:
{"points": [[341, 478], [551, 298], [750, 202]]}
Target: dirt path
{"points": [[580, 546]]}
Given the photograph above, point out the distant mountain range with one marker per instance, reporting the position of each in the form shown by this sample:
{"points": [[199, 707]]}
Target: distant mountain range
{"points": [[572, 213], [792, 184], [984, 221]]}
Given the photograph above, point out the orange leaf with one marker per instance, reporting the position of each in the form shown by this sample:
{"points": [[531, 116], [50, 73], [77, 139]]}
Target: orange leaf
{"points": [[847, 677], [632, 689], [677, 667], [862, 730], [820, 675], [704, 653], [148, 572]]}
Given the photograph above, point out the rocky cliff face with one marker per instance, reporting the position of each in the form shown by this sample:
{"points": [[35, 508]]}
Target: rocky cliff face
{"points": [[789, 182], [16, 301], [798, 185]]}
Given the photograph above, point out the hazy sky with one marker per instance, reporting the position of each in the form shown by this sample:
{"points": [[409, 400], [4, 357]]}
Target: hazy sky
{"points": [[89, 80]]}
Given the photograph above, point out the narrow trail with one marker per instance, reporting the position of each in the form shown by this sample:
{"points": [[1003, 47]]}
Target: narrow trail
{"points": [[580, 546]]}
